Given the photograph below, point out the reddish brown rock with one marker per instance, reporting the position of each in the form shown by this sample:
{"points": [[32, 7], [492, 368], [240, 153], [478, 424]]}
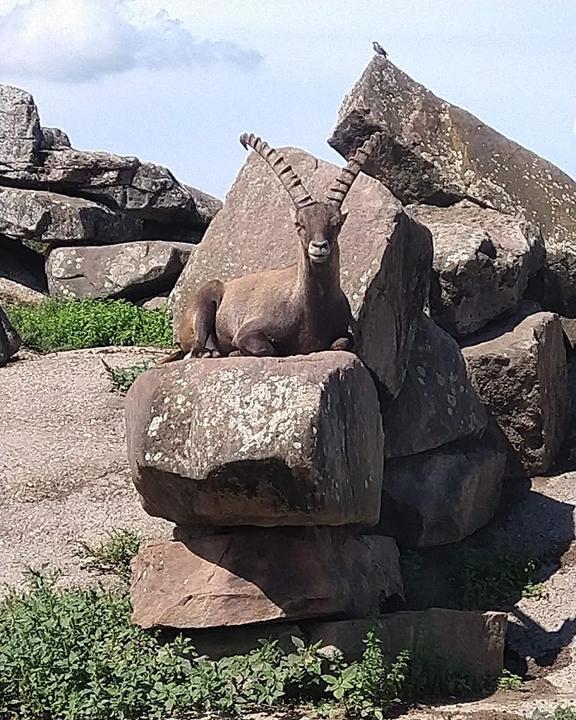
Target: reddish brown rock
{"points": [[437, 403], [259, 575], [258, 441], [470, 642], [483, 260], [519, 370], [437, 153], [385, 255]]}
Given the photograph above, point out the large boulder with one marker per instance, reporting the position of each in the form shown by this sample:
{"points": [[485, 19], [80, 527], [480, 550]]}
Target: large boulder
{"points": [[56, 219], [437, 403], [256, 575], [20, 132], [483, 260], [436, 153], [444, 495], [386, 256], [258, 441], [15, 293], [469, 642], [519, 370], [41, 158], [134, 270], [10, 341]]}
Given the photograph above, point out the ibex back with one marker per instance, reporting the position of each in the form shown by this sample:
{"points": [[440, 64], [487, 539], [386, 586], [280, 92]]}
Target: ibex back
{"points": [[287, 311]]}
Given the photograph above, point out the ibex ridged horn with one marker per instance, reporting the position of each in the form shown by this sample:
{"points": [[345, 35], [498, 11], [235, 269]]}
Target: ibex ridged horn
{"points": [[342, 184], [282, 169]]}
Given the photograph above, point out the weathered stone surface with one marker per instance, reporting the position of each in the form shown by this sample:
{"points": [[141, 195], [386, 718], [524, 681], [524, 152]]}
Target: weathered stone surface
{"points": [[58, 219], [437, 404], [128, 270], [519, 371], [10, 341], [12, 292], [385, 255], [259, 575], [41, 158], [258, 441], [437, 153], [160, 302], [444, 495], [483, 260], [20, 133], [467, 641]]}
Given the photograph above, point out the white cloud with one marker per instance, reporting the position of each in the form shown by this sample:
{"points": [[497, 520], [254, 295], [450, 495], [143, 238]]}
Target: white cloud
{"points": [[81, 40]]}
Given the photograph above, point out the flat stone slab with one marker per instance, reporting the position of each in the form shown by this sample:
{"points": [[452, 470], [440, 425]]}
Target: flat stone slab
{"points": [[258, 441], [519, 370], [259, 575]]}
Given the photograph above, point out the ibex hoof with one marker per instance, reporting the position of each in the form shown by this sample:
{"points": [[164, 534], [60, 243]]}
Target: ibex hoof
{"points": [[342, 344]]}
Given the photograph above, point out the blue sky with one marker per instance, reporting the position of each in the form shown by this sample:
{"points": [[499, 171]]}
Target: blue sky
{"points": [[177, 81]]}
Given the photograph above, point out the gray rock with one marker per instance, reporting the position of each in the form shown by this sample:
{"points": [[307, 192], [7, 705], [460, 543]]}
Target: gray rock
{"points": [[10, 341], [437, 403], [385, 255], [260, 575], [444, 495], [59, 219], [483, 260], [519, 370], [129, 270], [22, 265], [437, 153], [12, 292], [54, 139], [471, 642], [20, 133], [258, 441]]}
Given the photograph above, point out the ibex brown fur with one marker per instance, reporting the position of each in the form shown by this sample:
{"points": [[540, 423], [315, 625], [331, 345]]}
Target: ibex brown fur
{"points": [[288, 311]]}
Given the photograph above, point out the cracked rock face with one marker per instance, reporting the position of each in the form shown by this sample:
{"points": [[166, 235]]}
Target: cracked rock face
{"points": [[256, 575], [386, 256], [437, 403], [129, 270], [483, 260], [258, 441], [436, 153], [519, 370]]}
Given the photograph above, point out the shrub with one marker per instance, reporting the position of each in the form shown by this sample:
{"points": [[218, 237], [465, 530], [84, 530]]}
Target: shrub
{"points": [[74, 324], [123, 377], [561, 713], [486, 579]]}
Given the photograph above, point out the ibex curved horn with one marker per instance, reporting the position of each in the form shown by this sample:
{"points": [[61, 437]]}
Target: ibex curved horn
{"points": [[342, 184], [282, 169]]}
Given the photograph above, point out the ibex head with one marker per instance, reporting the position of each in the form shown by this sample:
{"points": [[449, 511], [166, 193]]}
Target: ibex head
{"points": [[318, 223]]}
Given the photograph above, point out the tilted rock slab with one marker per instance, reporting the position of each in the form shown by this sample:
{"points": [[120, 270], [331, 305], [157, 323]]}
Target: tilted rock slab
{"points": [[385, 255], [58, 219], [12, 292], [10, 341], [444, 495], [437, 153], [520, 372], [128, 270], [22, 265], [472, 642], [258, 575], [258, 441], [41, 158], [483, 260], [437, 403]]}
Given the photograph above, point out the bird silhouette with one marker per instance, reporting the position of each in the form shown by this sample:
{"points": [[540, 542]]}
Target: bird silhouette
{"points": [[379, 49]]}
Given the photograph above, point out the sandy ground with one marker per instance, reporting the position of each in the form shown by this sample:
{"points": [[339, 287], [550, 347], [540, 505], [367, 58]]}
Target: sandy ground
{"points": [[64, 475]]}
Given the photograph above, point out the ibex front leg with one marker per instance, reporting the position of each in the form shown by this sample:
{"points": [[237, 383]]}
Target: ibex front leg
{"points": [[251, 339]]}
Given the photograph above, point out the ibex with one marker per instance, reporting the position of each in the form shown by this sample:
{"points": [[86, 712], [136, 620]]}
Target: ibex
{"points": [[287, 311]]}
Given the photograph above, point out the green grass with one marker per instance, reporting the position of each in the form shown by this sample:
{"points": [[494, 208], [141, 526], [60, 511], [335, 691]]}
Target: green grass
{"points": [[112, 555], [74, 324], [73, 654], [561, 713]]}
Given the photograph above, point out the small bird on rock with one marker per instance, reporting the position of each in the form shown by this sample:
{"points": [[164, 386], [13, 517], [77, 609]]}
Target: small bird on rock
{"points": [[379, 49]]}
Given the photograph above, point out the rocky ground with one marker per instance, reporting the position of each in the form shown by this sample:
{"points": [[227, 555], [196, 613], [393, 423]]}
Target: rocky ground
{"points": [[63, 470]]}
